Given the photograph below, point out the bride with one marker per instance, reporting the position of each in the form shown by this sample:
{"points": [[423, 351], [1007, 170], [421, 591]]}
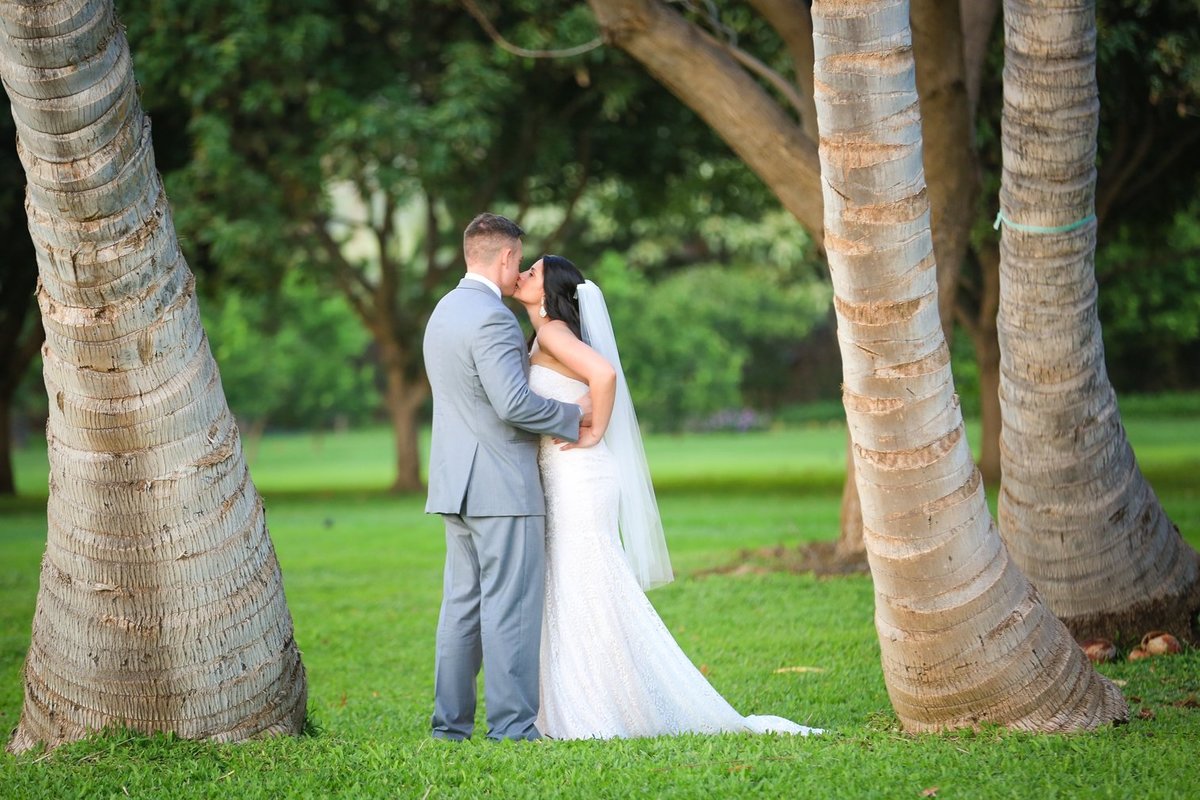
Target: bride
{"points": [[609, 666]]}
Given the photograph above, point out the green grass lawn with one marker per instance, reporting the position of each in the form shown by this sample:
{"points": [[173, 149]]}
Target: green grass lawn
{"points": [[363, 577]]}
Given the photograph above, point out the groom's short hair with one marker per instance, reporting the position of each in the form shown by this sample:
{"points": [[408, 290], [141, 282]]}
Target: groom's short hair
{"points": [[486, 234]]}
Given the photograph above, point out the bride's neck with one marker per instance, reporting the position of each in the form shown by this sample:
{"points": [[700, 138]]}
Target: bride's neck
{"points": [[535, 319]]}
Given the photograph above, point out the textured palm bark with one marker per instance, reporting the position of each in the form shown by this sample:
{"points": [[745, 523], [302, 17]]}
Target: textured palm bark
{"points": [[1074, 508], [161, 604], [965, 638], [782, 151]]}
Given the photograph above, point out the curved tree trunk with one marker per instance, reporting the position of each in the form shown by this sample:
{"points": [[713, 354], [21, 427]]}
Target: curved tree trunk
{"points": [[792, 20], [978, 22], [706, 78], [1078, 515], [948, 133], [982, 329], [964, 636], [702, 74], [161, 605], [404, 399], [850, 548]]}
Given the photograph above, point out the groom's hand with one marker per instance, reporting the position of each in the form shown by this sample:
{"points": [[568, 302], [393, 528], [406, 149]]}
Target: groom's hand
{"points": [[585, 409]]}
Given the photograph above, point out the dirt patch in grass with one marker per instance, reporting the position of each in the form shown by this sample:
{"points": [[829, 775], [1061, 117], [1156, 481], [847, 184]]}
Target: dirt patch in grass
{"points": [[818, 558]]}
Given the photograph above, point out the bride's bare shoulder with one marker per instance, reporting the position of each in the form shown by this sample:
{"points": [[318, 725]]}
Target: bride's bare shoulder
{"points": [[540, 356]]}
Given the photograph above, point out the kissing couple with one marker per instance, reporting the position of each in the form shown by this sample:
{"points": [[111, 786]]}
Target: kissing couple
{"points": [[537, 468]]}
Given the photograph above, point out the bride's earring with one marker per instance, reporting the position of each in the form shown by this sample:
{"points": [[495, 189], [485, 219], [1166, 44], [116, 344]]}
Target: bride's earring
{"points": [[542, 310]]}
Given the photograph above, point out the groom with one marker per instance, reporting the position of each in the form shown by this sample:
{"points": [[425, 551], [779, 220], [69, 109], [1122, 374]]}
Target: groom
{"points": [[483, 480]]}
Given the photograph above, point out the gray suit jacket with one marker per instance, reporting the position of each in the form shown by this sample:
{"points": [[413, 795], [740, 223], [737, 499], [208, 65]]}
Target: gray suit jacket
{"points": [[486, 421]]}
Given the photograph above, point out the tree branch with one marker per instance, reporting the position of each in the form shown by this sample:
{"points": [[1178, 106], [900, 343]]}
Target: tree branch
{"points": [[1146, 178], [434, 272], [707, 79], [583, 150], [495, 36], [389, 271], [792, 20], [1178, 147], [978, 20], [1111, 185], [951, 164], [431, 238], [762, 70], [354, 286]]}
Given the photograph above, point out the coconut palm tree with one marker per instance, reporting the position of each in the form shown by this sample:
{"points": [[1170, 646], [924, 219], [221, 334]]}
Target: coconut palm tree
{"points": [[965, 638], [1074, 509], [161, 605], [717, 79]]}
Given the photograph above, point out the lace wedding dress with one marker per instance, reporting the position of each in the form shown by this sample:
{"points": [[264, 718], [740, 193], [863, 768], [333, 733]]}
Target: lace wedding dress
{"points": [[609, 666]]}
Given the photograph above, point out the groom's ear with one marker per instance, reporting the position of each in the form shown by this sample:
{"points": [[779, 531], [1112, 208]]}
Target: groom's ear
{"points": [[512, 255]]}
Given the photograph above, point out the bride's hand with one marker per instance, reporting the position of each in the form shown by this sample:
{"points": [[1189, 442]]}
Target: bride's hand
{"points": [[587, 438], [585, 410]]}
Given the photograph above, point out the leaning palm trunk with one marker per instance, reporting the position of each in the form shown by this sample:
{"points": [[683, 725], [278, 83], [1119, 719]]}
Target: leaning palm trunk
{"points": [[1075, 510], [964, 637], [161, 605]]}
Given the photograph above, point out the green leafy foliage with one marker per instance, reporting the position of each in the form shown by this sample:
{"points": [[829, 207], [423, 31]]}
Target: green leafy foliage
{"points": [[704, 339], [295, 358], [1150, 303]]}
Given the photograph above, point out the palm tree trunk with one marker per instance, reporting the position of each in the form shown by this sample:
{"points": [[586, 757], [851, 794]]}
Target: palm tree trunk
{"points": [[161, 604], [1075, 510], [704, 74], [964, 637]]}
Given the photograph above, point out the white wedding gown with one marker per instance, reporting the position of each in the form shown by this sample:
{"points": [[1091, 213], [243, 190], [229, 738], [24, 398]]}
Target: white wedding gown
{"points": [[609, 666]]}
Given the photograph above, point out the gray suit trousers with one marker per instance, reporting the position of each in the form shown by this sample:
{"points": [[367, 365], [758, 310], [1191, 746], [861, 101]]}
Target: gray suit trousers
{"points": [[492, 599]]}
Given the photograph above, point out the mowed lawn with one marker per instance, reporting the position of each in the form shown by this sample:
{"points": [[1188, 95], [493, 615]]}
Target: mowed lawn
{"points": [[363, 577]]}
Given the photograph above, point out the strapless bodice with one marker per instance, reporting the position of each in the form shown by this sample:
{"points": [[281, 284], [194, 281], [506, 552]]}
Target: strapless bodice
{"points": [[554, 385]]}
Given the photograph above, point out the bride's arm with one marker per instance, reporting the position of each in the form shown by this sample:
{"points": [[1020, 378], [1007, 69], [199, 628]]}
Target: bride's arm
{"points": [[556, 339]]}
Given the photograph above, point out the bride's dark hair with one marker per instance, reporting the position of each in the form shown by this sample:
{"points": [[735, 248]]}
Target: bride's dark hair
{"points": [[559, 281]]}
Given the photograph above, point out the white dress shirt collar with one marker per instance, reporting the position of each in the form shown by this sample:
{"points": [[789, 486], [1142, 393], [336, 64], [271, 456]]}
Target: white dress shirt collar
{"points": [[475, 276]]}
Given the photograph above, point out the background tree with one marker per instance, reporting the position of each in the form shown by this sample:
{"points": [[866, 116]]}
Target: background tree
{"points": [[295, 357], [299, 156], [765, 123], [161, 604], [964, 636], [1074, 508], [733, 326], [698, 55], [20, 330], [1149, 79], [1148, 63]]}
